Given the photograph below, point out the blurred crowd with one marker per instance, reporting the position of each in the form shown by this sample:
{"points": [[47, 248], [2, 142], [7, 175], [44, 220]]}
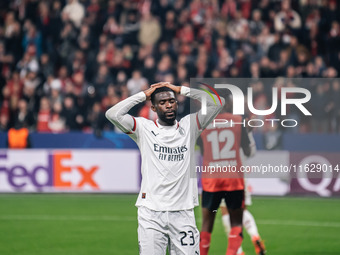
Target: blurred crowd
{"points": [[63, 63]]}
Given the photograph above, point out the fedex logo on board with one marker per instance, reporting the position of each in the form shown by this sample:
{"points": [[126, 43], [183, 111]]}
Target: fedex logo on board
{"points": [[55, 173]]}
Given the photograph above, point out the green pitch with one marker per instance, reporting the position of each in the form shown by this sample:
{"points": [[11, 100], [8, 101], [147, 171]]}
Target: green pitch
{"points": [[69, 224]]}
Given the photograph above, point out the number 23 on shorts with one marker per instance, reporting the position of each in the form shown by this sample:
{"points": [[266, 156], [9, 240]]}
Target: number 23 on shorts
{"points": [[187, 238]]}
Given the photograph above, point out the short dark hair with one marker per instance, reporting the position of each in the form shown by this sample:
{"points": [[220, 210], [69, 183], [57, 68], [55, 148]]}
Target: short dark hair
{"points": [[158, 90]]}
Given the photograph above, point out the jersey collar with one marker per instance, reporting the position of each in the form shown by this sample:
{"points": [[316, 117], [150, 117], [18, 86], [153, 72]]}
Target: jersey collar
{"points": [[167, 127]]}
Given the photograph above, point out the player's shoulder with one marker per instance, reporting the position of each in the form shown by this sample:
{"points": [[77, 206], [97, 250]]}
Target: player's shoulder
{"points": [[143, 122]]}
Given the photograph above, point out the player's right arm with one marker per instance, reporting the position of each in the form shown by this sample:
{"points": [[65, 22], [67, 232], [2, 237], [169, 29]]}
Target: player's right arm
{"points": [[118, 114]]}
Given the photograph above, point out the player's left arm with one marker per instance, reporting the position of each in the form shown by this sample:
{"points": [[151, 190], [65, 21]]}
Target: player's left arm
{"points": [[212, 108]]}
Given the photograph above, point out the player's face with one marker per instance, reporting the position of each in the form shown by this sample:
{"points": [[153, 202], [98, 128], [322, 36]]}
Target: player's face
{"points": [[166, 107]]}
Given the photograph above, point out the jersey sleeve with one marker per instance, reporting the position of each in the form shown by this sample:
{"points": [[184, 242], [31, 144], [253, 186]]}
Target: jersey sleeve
{"points": [[118, 114], [203, 120]]}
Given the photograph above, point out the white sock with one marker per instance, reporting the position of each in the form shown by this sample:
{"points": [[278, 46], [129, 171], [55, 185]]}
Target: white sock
{"points": [[239, 251], [249, 224], [226, 224]]}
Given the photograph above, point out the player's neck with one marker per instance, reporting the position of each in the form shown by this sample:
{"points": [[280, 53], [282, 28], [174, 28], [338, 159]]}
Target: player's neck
{"points": [[163, 123]]}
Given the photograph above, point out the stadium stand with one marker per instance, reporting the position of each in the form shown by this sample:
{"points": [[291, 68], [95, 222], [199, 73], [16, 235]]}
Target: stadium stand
{"points": [[63, 63]]}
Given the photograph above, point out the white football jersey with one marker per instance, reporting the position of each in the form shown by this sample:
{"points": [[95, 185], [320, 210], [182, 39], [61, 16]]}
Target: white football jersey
{"points": [[167, 182]]}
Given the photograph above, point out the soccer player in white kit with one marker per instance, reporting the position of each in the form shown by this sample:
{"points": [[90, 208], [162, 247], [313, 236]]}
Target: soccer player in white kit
{"points": [[169, 189]]}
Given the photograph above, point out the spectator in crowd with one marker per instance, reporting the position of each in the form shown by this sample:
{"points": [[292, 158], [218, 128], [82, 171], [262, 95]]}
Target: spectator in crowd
{"points": [[57, 122], [44, 115], [46, 67], [55, 94], [287, 18], [72, 119], [4, 121], [113, 29], [149, 69], [102, 80], [238, 30], [32, 37], [150, 30], [96, 119], [29, 62], [6, 59], [24, 117], [137, 83], [256, 25], [74, 12]]}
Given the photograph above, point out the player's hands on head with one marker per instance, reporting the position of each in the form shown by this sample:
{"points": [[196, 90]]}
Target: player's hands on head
{"points": [[175, 88], [155, 86], [152, 88]]}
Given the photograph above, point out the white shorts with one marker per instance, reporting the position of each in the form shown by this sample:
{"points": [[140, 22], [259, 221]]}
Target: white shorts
{"points": [[176, 230]]}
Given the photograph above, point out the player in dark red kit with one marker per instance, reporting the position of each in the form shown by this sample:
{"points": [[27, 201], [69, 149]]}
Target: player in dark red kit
{"points": [[221, 143]]}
